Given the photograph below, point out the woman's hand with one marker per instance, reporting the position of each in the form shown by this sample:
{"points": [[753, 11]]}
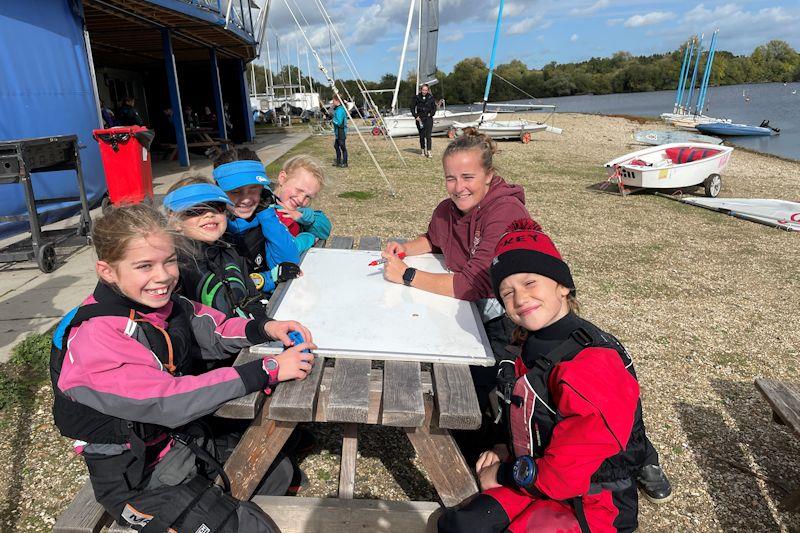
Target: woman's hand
{"points": [[486, 468], [395, 248], [279, 330], [294, 364], [394, 268]]}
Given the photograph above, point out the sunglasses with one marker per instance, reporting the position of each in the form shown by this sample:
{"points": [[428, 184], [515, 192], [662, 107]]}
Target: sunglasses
{"points": [[211, 207]]}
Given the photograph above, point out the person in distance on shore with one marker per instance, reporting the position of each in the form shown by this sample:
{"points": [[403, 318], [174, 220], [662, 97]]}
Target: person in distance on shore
{"points": [[423, 108]]}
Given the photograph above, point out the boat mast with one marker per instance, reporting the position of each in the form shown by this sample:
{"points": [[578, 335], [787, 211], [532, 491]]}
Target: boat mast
{"points": [[491, 60], [712, 50], [683, 107], [679, 92], [694, 72], [270, 81], [402, 58], [332, 85], [419, 43]]}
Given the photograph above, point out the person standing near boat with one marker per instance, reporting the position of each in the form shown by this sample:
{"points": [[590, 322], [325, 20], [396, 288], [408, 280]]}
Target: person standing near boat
{"points": [[339, 132], [423, 109]]}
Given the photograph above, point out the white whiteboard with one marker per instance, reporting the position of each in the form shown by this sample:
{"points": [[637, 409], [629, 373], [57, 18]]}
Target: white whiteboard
{"points": [[353, 312]]}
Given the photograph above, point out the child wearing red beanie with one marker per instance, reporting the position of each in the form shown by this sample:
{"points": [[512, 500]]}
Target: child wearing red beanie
{"points": [[577, 438]]}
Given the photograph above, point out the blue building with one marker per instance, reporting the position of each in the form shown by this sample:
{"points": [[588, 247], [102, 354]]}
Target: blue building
{"points": [[61, 58]]}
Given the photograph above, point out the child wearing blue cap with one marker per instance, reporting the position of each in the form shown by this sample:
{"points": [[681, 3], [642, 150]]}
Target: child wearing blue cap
{"points": [[211, 270], [256, 231]]}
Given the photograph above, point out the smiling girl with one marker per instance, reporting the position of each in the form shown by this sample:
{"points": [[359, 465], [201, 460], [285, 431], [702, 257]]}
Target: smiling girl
{"points": [[255, 230], [465, 228], [577, 434], [299, 182], [120, 368], [211, 270]]}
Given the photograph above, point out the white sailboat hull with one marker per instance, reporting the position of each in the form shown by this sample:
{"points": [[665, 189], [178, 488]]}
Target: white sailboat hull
{"points": [[664, 172], [503, 129], [405, 125]]}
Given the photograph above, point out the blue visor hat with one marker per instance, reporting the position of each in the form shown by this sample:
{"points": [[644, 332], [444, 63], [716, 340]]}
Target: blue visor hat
{"points": [[237, 174], [192, 195]]}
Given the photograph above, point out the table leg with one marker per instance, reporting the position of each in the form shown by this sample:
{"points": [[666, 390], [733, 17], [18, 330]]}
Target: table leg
{"points": [[347, 470], [443, 462], [255, 453]]}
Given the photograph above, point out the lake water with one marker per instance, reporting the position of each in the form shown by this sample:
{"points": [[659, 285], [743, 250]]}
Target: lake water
{"points": [[767, 101]]}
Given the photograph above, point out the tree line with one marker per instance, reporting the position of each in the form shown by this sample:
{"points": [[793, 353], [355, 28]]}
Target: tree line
{"points": [[623, 72]]}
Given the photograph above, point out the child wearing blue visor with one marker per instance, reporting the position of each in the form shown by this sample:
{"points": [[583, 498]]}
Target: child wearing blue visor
{"points": [[256, 230], [211, 270]]}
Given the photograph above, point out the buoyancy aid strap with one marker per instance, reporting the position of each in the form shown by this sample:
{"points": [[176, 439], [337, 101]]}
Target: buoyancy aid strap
{"points": [[580, 513], [170, 363], [577, 341]]}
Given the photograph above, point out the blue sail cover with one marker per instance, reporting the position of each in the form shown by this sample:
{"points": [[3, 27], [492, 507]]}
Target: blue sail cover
{"points": [[45, 90]]}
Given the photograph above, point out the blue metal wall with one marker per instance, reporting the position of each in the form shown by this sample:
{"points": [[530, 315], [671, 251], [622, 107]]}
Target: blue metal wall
{"points": [[46, 89]]}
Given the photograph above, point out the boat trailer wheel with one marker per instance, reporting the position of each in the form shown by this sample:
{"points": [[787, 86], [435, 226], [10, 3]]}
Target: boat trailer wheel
{"points": [[376, 131], [712, 185], [525, 137], [46, 257]]}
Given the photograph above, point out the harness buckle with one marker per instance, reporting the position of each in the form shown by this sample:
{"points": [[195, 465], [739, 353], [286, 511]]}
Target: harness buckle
{"points": [[582, 337]]}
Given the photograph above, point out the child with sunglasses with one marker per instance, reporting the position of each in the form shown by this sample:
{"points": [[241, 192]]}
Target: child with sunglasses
{"points": [[211, 270]]}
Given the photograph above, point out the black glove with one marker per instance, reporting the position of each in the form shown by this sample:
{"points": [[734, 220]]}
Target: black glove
{"points": [[287, 270]]}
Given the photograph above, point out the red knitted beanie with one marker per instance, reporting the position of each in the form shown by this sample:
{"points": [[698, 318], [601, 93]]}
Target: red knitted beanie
{"points": [[525, 248]]}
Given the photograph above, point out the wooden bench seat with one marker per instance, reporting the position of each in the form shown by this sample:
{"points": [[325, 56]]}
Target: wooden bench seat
{"points": [[784, 398]]}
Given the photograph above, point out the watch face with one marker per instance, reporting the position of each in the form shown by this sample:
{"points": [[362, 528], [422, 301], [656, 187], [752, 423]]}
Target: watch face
{"points": [[272, 364]]}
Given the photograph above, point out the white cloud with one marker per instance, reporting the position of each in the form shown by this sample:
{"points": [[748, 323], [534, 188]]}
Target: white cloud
{"points": [[614, 22], [574, 37], [453, 37], [654, 17], [590, 10], [524, 25]]}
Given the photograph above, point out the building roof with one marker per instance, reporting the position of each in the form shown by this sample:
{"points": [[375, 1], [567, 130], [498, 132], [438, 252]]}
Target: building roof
{"points": [[129, 31]]}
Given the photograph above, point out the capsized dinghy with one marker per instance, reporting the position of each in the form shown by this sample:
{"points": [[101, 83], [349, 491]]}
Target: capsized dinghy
{"points": [[672, 166], [656, 137], [780, 214]]}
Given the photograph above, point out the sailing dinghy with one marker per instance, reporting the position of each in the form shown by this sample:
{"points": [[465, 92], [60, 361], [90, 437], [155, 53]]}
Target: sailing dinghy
{"points": [[672, 166], [780, 214], [503, 129], [656, 137]]}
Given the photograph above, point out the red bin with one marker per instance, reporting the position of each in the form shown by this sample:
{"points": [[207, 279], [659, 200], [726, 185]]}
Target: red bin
{"points": [[125, 152]]}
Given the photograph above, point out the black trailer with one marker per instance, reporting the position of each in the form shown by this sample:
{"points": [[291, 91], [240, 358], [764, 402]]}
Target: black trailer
{"points": [[20, 158]]}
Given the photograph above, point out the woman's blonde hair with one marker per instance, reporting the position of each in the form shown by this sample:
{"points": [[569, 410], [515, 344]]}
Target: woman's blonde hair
{"points": [[112, 232], [520, 334], [310, 164], [471, 139]]}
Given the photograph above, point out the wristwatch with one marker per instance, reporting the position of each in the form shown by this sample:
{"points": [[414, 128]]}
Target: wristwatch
{"points": [[271, 367], [524, 471], [408, 276]]}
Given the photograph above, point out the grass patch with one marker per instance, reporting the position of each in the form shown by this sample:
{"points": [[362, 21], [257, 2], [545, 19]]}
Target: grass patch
{"points": [[357, 195], [26, 370]]}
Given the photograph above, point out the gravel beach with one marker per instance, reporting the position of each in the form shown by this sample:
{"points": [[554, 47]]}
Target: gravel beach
{"points": [[705, 304]]}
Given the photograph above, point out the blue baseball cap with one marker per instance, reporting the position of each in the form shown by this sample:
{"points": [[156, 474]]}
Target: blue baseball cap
{"points": [[196, 194], [237, 174]]}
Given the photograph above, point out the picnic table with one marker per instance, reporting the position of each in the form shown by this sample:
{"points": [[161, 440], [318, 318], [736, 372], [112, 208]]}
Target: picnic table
{"points": [[200, 138], [425, 403], [355, 392]]}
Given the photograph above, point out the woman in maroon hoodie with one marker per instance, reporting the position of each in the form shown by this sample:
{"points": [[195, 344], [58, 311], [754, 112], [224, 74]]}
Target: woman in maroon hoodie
{"points": [[465, 228]]}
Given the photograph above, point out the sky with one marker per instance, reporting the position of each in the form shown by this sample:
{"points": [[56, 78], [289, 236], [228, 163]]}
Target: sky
{"points": [[534, 31]]}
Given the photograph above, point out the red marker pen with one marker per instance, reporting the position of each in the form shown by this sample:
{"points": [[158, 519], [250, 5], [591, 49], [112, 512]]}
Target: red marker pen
{"points": [[381, 261]]}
